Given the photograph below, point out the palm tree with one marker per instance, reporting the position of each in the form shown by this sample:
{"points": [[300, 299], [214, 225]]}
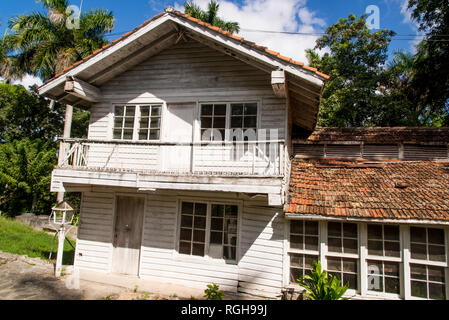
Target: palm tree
{"points": [[43, 45], [210, 16]]}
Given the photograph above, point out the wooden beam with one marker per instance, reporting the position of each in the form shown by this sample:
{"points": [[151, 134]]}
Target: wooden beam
{"points": [[82, 90], [279, 83]]}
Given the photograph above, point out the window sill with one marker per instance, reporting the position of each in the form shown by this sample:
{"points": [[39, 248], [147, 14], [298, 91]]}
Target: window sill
{"points": [[204, 260]]}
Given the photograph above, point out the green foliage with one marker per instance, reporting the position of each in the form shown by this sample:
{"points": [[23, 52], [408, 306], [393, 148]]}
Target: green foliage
{"points": [[210, 16], [41, 43], [322, 286], [18, 238], [213, 292], [354, 59], [25, 174]]}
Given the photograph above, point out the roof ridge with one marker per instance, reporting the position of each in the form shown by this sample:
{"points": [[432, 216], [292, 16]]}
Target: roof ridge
{"points": [[171, 10]]}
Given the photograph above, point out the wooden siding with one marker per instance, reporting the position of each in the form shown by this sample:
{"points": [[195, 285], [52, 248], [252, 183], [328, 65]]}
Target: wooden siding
{"points": [[94, 244], [259, 270], [189, 72]]}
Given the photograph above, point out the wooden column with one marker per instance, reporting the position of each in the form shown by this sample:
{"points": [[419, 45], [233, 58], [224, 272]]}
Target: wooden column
{"points": [[66, 135]]}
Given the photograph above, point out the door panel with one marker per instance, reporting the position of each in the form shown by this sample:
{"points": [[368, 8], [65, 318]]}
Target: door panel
{"points": [[128, 234], [179, 128]]}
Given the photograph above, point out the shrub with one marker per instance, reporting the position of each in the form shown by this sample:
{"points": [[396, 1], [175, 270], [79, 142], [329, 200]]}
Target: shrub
{"points": [[213, 292]]}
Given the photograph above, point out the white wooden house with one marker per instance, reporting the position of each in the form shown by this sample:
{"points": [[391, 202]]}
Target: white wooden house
{"points": [[160, 200]]}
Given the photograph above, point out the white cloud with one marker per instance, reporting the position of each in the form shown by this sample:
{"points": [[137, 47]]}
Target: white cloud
{"points": [[28, 81], [273, 15], [407, 14]]}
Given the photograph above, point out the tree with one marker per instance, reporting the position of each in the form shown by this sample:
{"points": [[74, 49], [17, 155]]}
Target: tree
{"points": [[210, 16], [25, 175], [432, 57], [355, 59], [43, 45], [322, 286]]}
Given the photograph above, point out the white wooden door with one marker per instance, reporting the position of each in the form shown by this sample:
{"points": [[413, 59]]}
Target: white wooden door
{"points": [[128, 235], [179, 129]]}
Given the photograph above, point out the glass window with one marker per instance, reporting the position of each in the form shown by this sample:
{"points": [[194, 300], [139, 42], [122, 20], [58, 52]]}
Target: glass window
{"points": [[304, 235], [213, 122], [193, 229], [345, 269], [124, 122], [383, 241], [217, 220], [244, 116], [150, 122], [342, 238], [427, 244], [428, 282], [383, 276], [301, 264]]}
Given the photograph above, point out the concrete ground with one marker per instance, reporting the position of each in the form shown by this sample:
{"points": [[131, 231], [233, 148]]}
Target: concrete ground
{"points": [[23, 278]]}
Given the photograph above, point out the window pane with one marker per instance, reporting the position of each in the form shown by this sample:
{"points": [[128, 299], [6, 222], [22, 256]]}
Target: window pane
{"points": [[119, 110], [375, 248], [143, 135], [436, 274], [437, 291], [231, 211], [391, 269], [144, 112], [184, 247], [186, 221], [296, 227], [250, 122], [187, 207], [418, 234], [392, 285], [237, 109], [117, 134], [220, 110], [334, 264], [418, 272], [251, 109], [436, 236], [351, 279], [130, 111], [156, 111], [311, 243], [207, 110], [418, 251], [200, 209], [199, 236], [236, 122], [350, 265], [334, 229], [219, 122], [350, 246], [154, 134], [437, 253], [419, 289], [118, 122], [392, 249], [216, 224], [296, 260], [350, 230], [311, 227], [127, 134], [217, 210], [198, 249], [229, 253], [295, 274], [334, 245], [206, 122], [375, 231], [391, 233], [200, 223], [216, 237], [186, 234], [155, 123], [296, 242]]}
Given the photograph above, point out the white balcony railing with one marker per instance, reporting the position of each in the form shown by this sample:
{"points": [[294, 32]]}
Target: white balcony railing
{"points": [[259, 158]]}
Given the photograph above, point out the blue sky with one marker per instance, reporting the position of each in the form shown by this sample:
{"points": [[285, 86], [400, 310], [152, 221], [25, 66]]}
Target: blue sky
{"points": [[305, 16]]}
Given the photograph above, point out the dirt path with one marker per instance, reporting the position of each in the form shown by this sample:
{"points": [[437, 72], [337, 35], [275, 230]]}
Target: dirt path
{"points": [[23, 278]]}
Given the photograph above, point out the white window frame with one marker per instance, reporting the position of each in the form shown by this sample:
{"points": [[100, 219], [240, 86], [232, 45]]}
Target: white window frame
{"points": [[228, 114], [362, 291], [206, 258], [137, 117]]}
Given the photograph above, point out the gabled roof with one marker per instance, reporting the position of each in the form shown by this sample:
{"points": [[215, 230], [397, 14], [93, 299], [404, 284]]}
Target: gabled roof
{"points": [[173, 12], [303, 84], [402, 191]]}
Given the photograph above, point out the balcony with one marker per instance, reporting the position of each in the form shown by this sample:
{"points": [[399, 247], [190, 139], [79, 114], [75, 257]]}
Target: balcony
{"points": [[250, 167]]}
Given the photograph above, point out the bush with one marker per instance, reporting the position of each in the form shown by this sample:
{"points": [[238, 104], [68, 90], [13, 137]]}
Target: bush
{"points": [[213, 292]]}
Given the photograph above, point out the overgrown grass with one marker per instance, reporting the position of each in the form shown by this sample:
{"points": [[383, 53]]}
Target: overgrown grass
{"points": [[18, 238]]}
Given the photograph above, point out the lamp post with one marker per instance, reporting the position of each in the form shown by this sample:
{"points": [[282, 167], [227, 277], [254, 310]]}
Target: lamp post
{"points": [[61, 215]]}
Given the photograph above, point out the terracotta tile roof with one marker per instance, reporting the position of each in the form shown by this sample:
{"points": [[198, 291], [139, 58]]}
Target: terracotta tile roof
{"points": [[381, 135], [180, 14], [404, 190]]}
